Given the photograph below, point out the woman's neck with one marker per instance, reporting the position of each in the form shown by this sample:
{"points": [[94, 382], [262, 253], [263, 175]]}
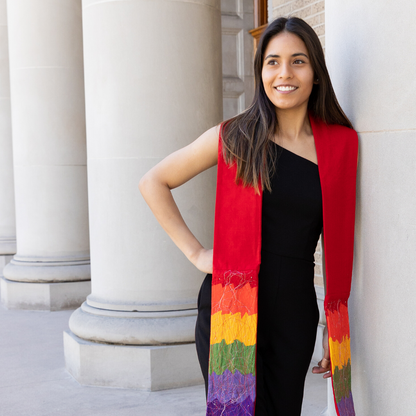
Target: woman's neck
{"points": [[293, 125]]}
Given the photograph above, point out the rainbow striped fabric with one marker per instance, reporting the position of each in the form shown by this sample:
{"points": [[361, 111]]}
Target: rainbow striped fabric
{"points": [[236, 265], [232, 366], [339, 347]]}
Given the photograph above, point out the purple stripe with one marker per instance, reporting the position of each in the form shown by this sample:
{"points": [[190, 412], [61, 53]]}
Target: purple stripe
{"points": [[231, 387], [216, 408], [346, 406]]}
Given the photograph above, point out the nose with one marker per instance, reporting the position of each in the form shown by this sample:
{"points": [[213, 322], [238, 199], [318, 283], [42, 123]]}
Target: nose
{"points": [[285, 70]]}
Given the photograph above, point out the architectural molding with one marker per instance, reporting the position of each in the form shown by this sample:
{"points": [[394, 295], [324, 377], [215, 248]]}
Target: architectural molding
{"points": [[43, 296]]}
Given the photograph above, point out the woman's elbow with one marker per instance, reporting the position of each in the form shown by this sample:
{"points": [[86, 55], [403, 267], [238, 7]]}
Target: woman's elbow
{"points": [[145, 183], [150, 184]]}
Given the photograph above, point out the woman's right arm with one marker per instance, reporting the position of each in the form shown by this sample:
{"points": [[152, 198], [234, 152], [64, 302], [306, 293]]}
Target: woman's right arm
{"points": [[171, 172]]}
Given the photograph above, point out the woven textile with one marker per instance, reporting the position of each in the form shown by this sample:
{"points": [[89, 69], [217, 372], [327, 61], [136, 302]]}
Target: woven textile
{"points": [[237, 248]]}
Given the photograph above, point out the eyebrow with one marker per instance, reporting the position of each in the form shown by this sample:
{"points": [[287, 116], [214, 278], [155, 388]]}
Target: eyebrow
{"points": [[278, 56]]}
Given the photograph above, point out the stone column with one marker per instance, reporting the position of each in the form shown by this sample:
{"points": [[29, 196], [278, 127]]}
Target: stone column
{"points": [[370, 57], [153, 85], [51, 268], [7, 217]]}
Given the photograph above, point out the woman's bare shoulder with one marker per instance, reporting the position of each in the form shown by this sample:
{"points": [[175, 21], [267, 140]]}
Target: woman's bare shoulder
{"points": [[205, 148]]}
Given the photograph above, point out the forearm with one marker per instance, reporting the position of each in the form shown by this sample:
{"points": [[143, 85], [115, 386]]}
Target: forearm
{"points": [[171, 172], [160, 200]]}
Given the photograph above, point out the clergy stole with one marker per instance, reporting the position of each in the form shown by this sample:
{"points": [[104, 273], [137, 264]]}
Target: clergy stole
{"points": [[237, 248]]}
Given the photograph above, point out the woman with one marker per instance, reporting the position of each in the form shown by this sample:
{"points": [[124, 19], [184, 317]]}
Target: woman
{"points": [[273, 200]]}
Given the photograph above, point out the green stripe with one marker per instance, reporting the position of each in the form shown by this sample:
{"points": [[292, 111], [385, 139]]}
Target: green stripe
{"points": [[342, 381], [232, 357]]}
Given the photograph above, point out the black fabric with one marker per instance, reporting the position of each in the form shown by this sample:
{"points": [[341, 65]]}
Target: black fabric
{"points": [[292, 213], [288, 314]]}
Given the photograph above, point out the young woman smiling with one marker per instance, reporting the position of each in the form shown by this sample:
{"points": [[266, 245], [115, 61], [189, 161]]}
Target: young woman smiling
{"points": [[286, 172]]}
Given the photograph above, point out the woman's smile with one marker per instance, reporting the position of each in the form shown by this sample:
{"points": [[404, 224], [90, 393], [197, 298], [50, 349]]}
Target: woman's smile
{"points": [[286, 88]]}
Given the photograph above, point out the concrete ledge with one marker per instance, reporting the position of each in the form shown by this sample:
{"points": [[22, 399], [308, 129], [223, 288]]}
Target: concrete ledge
{"points": [[135, 367], [133, 328], [43, 296]]}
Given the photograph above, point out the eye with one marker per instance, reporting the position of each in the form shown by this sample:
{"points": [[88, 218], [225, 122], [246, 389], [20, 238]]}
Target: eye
{"points": [[299, 61], [272, 62]]}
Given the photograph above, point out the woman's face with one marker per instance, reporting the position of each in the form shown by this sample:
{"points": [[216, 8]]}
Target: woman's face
{"points": [[287, 74]]}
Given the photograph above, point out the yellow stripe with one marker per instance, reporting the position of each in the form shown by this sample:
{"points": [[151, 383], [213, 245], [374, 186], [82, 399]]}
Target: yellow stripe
{"points": [[231, 327], [340, 352]]}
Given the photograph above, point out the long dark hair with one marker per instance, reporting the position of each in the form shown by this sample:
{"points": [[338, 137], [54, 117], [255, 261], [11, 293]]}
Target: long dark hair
{"points": [[246, 137]]}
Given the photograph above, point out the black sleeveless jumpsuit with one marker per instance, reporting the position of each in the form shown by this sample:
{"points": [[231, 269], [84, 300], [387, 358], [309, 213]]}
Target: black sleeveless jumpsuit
{"points": [[288, 312]]}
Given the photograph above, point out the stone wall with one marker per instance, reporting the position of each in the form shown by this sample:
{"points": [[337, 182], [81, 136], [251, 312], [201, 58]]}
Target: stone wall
{"points": [[312, 11], [381, 106], [319, 279], [237, 56]]}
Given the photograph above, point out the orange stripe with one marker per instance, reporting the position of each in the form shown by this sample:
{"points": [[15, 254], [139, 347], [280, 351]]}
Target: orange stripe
{"points": [[231, 300]]}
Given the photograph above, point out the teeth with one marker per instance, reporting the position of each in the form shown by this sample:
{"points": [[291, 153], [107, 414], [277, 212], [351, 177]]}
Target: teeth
{"points": [[285, 88]]}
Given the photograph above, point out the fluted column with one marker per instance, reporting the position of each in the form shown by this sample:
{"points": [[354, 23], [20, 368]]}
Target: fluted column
{"points": [[51, 268], [153, 85], [369, 48], [7, 217]]}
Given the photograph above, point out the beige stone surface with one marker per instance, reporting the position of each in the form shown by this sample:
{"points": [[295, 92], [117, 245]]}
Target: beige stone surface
{"points": [[43, 296], [7, 206], [145, 98], [48, 119], [381, 106], [237, 56], [4, 259], [319, 279], [149, 368]]}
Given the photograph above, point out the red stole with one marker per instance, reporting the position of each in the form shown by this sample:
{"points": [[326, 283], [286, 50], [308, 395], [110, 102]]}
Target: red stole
{"points": [[237, 248]]}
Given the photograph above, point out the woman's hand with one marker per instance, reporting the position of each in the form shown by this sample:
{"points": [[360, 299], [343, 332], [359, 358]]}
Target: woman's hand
{"points": [[324, 366], [203, 260]]}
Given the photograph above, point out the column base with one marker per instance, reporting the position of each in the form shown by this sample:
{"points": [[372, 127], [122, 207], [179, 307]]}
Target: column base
{"points": [[133, 328], [4, 260], [135, 367], [43, 296], [47, 271]]}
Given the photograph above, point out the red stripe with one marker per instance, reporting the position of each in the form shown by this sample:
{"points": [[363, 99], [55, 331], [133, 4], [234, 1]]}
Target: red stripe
{"points": [[234, 279]]}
